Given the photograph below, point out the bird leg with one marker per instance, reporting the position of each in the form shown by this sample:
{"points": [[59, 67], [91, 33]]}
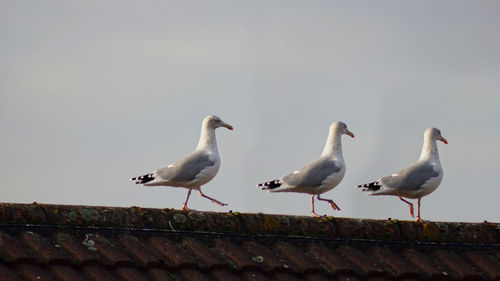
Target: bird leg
{"points": [[334, 206], [411, 206], [313, 212], [184, 206], [212, 199], [418, 211]]}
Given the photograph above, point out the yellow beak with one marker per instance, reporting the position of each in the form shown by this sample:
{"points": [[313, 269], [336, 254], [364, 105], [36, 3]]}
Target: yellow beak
{"points": [[349, 133], [227, 126], [443, 140]]}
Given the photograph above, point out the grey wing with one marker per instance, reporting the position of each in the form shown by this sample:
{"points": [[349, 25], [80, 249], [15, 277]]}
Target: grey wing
{"points": [[313, 174], [411, 178], [186, 169]]}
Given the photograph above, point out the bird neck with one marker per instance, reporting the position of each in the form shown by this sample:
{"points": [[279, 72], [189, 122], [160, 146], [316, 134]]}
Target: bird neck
{"points": [[429, 150], [207, 139], [333, 146]]}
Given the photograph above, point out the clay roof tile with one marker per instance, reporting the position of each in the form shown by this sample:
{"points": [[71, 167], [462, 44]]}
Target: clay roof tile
{"points": [[56, 242]]}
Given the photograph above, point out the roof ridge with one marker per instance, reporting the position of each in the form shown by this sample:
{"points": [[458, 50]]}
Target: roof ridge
{"points": [[235, 223]]}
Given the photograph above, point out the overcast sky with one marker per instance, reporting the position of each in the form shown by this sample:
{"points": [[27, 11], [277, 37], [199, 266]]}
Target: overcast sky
{"points": [[95, 92]]}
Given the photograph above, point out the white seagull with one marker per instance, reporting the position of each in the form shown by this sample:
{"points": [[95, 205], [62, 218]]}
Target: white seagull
{"points": [[194, 170], [319, 176], [416, 181]]}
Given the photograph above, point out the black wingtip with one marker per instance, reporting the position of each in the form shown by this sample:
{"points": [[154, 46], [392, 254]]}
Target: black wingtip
{"points": [[270, 185], [143, 179], [373, 186]]}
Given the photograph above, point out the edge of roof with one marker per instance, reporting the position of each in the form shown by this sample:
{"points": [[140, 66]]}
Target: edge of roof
{"points": [[14, 214]]}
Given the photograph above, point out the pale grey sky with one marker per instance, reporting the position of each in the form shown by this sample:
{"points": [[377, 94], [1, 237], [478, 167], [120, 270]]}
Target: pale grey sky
{"points": [[95, 92]]}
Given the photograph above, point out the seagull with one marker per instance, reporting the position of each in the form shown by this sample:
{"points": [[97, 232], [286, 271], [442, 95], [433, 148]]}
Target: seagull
{"points": [[416, 181], [319, 176], [194, 170]]}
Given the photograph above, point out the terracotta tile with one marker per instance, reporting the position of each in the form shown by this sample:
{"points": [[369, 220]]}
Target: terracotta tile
{"points": [[484, 263], [423, 262], [7, 274], [283, 276], [346, 277], [175, 256], [315, 277], [222, 275], [12, 251], [130, 274], [252, 223], [409, 279], [137, 249], [65, 272], [432, 231], [359, 259], [456, 264], [160, 274], [22, 213], [263, 255], [122, 255], [110, 251], [239, 257], [192, 275], [352, 228], [74, 246], [470, 232], [220, 222], [324, 226], [393, 261], [208, 257], [300, 260], [409, 231], [97, 273], [254, 276], [335, 263], [376, 278], [384, 229], [30, 272], [489, 232], [45, 249]]}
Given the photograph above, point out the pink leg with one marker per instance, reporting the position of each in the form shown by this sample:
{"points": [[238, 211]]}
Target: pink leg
{"points": [[212, 199], [312, 205], [409, 204], [418, 211], [184, 206], [334, 206]]}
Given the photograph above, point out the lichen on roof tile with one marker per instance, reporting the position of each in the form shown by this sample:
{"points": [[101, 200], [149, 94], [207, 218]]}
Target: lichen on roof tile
{"points": [[264, 256], [109, 243]]}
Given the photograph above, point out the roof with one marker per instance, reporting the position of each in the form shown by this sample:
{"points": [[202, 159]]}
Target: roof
{"points": [[60, 242]]}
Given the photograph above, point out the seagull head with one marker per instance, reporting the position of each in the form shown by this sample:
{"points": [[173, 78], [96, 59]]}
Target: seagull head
{"points": [[340, 128], [435, 134], [214, 122]]}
